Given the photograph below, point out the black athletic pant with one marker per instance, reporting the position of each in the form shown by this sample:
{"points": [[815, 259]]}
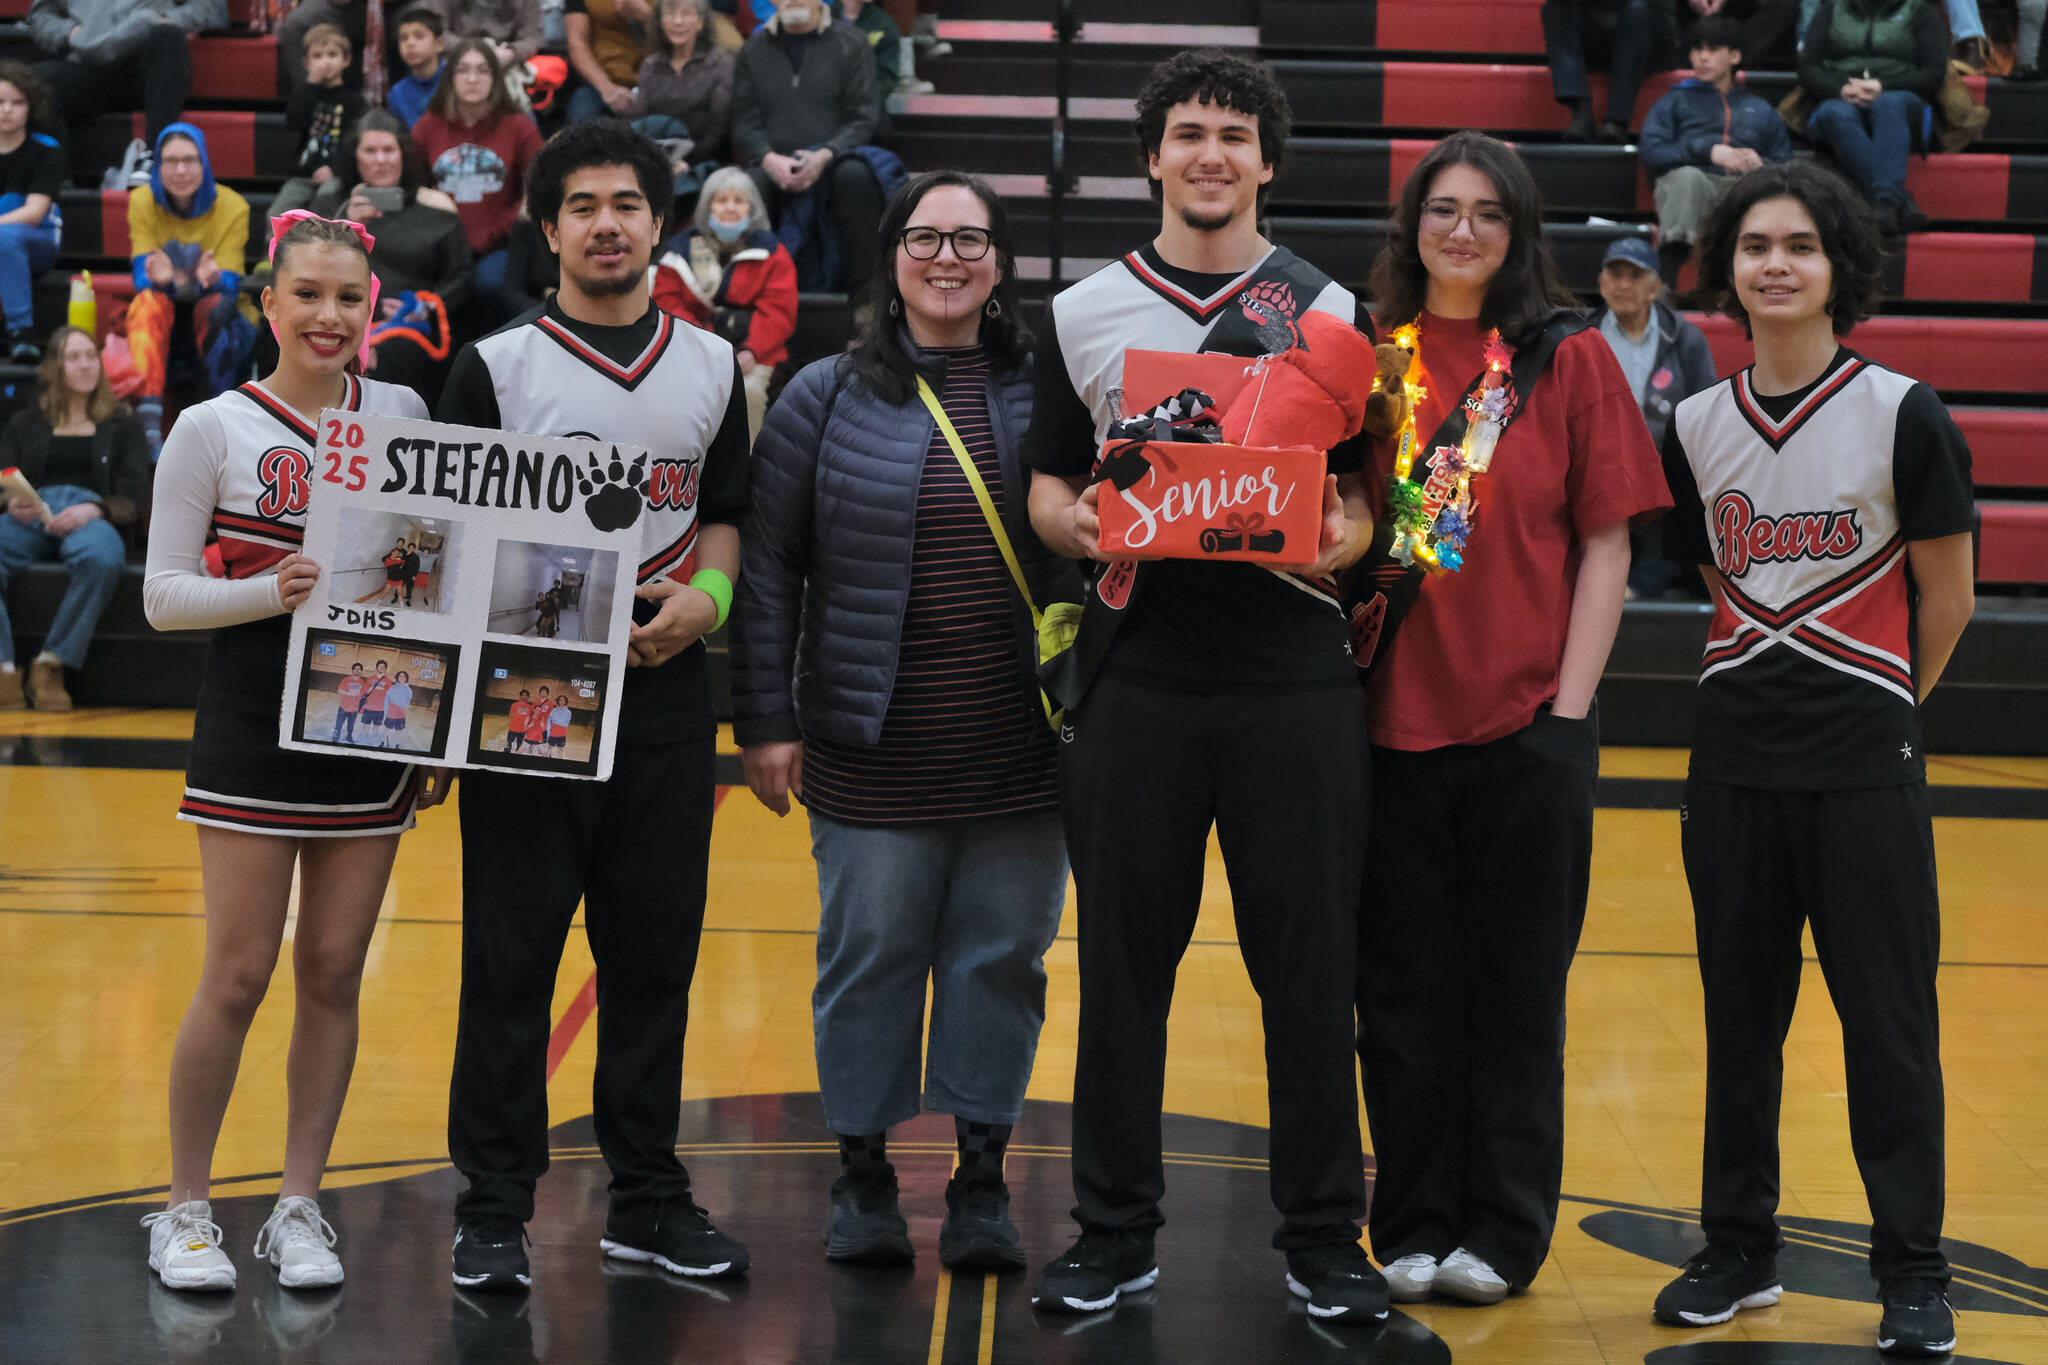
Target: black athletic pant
{"points": [[634, 850], [156, 78], [853, 204], [1474, 894], [1859, 867], [1282, 779]]}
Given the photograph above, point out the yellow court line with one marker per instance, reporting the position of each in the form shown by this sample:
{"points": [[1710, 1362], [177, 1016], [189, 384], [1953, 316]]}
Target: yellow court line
{"points": [[939, 1313], [987, 1350]]}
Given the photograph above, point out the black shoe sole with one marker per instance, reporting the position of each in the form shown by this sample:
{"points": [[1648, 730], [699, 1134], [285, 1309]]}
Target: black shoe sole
{"points": [[983, 1254], [890, 1248]]}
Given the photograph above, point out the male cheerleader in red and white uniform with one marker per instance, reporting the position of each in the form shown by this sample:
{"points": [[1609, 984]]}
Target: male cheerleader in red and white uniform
{"points": [[1828, 502], [601, 360], [240, 467]]}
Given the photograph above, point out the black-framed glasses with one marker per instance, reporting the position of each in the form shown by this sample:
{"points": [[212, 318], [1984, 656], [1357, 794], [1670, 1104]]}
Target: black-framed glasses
{"points": [[923, 243]]}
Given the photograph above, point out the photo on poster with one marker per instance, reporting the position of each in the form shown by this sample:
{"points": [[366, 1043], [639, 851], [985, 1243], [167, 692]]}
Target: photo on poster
{"points": [[553, 592], [392, 559], [375, 694], [538, 709]]}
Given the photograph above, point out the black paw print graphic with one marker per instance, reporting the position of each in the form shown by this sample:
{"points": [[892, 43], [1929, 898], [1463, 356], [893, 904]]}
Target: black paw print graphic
{"points": [[612, 493]]}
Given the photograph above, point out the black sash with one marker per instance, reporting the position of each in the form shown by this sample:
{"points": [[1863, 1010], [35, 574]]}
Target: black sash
{"points": [[1380, 589]]}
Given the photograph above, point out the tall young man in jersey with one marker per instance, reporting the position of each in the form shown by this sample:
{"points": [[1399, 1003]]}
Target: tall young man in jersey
{"points": [[1828, 503], [601, 360], [1225, 694]]}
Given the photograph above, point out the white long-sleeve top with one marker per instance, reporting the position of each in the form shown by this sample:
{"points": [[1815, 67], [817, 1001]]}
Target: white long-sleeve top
{"points": [[241, 467]]}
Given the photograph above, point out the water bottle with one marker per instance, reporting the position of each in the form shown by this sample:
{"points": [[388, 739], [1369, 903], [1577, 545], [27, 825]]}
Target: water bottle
{"points": [[84, 310]]}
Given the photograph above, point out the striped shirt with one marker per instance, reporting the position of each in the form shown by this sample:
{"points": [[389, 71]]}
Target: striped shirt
{"points": [[962, 738]]}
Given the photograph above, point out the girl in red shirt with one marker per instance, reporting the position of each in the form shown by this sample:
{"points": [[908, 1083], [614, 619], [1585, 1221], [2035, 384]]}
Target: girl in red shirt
{"points": [[478, 144], [1484, 737]]}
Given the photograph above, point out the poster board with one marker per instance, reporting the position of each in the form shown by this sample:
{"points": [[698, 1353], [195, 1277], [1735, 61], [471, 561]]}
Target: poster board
{"points": [[470, 612]]}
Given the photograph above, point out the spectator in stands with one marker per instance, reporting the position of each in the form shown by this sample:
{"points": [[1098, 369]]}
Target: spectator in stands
{"points": [[916, 738], [606, 48], [420, 41], [86, 457], [1770, 28], [306, 15], [1872, 66], [323, 107], [890, 50], [727, 274], [1665, 359], [421, 246], [121, 54], [33, 170], [1703, 133], [800, 138], [189, 237], [1626, 38], [511, 27], [2026, 55], [478, 144], [686, 78]]}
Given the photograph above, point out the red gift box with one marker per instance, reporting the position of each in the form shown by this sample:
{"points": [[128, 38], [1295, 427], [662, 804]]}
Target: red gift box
{"points": [[1198, 501]]}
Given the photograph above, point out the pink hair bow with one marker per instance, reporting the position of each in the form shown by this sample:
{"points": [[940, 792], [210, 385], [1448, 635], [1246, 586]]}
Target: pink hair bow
{"points": [[283, 222]]}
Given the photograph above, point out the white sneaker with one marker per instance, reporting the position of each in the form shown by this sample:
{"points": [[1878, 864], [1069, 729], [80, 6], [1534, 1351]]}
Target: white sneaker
{"points": [[298, 1242], [1465, 1276], [1411, 1279], [184, 1248]]}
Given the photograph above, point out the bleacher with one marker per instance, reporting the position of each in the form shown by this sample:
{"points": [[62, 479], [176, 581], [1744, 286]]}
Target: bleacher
{"points": [[1372, 83]]}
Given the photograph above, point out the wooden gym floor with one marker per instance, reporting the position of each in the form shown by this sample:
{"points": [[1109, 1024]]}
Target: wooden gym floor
{"points": [[100, 939]]}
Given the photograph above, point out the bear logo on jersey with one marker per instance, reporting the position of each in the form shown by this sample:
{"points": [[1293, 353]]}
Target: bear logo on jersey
{"points": [[285, 472], [1746, 538], [612, 492]]}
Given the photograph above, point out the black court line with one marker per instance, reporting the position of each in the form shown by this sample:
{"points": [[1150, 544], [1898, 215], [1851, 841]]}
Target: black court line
{"points": [[1614, 793], [810, 933]]}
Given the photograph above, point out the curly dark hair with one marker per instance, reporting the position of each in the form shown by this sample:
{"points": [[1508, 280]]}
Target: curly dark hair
{"points": [[1526, 290], [599, 142], [1209, 75], [42, 105], [880, 356], [1848, 234]]}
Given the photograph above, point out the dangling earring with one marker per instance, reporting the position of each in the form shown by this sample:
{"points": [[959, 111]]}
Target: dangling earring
{"points": [[895, 308], [994, 309]]}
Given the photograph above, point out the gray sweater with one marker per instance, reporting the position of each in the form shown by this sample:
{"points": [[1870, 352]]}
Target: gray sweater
{"points": [[109, 30]]}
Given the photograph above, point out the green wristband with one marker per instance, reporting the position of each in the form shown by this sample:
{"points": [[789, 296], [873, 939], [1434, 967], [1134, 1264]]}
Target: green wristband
{"points": [[719, 588]]}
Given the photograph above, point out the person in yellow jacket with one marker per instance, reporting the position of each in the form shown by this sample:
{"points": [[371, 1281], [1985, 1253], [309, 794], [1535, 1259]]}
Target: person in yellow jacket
{"points": [[189, 237]]}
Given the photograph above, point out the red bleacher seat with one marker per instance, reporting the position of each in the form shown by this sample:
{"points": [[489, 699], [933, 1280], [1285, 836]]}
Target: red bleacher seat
{"points": [[2013, 547], [2008, 446], [1963, 355], [242, 67], [1506, 98], [230, 140], [1502, 26]]}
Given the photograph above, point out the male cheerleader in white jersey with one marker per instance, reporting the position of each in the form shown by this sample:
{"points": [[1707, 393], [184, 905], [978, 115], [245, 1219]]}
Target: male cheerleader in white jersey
{"points": [[1827, 501], [601, 360], [1205, 694]]}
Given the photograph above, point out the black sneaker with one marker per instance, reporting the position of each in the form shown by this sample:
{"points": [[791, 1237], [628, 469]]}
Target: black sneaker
{"points": [[1339, 1282], [490, 1255], [863, 1225], [1917, 1319], [1717, 1283], [675, 1235], [1101, 1264], [978, 1234], [22, 348], [1580, 127]]}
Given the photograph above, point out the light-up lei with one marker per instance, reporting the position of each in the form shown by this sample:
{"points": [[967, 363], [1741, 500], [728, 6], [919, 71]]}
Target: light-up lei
{"points": [[1432, 520]]}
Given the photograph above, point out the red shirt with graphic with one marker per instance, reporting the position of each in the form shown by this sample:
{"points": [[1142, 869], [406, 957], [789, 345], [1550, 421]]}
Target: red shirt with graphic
{"points": [[1479, 651]]}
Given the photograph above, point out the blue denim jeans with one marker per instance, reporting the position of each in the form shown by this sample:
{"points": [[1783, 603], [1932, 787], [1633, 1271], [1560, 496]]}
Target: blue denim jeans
{"points": [[969, 904], [1965, 20], [94, 555], [1872, 143], [26, 250]]}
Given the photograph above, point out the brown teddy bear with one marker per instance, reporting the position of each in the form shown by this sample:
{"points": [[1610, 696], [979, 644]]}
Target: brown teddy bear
{"points": [[1386, 412]]}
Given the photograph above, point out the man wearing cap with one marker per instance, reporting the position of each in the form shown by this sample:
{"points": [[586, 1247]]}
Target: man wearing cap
{"points": [[1665, 358], [1701, 134]]}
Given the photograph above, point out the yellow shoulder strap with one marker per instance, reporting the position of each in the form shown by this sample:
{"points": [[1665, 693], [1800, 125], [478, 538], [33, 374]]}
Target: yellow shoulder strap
{"points": [[988, 507]]}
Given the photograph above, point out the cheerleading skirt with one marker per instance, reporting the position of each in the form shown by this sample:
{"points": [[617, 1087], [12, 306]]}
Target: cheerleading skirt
{"points": [[238, 777]]}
